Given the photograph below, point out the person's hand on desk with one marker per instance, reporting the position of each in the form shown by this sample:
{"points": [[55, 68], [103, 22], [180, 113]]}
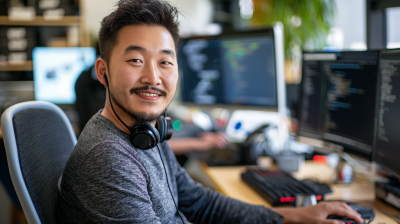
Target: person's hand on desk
{"points": [[317, 214], [205, 141], [210, 140]]}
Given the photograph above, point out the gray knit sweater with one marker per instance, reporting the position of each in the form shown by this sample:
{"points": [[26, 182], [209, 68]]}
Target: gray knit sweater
{"points": [[107, 180]]}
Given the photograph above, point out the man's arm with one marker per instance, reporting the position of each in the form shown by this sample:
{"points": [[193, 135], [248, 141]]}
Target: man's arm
{"points": [[202, 205]]}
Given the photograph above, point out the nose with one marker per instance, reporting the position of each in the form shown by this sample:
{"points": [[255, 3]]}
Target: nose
{"points": [[151, 75]]}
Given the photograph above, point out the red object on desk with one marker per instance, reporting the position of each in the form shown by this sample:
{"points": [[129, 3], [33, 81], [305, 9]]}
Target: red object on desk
{"points": [[320, 159]]}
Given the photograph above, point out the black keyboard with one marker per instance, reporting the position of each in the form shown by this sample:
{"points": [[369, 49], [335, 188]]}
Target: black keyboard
{"points": [[280, 188]]}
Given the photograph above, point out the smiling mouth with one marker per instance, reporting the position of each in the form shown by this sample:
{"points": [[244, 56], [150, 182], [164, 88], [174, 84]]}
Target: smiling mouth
{"points": [[147, 94], [149, 91]]}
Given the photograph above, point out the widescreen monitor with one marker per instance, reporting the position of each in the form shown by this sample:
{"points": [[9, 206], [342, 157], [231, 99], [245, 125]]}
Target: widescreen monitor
{"points": [[55, 71], [240, 68], [387, 137], [338, 93]]}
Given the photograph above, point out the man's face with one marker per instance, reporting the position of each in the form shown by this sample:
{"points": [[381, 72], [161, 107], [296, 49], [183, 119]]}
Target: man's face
{"points": [[143, 71]]}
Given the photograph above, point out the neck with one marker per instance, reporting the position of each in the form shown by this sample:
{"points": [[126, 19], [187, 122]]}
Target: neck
{"points": [[109, 114]]}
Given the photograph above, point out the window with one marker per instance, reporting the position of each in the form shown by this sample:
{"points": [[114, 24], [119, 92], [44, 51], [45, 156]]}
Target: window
{"points": [[392, 27], [349, 28]]}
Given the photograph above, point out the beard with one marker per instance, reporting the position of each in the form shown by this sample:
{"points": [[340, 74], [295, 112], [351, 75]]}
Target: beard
{"points": [[140, 117]]}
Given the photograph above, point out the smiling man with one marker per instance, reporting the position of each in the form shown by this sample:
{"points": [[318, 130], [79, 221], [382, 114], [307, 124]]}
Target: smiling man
{"points": [[142, 72], [109, 180]]}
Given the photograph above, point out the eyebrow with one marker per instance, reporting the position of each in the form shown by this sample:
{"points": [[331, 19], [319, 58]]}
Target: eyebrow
{"points": [[134, 48], [167, 51], [138, 48]]}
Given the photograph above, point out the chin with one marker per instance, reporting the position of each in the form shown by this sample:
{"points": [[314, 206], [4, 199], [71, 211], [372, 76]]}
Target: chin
{"points": [[151, 109]]}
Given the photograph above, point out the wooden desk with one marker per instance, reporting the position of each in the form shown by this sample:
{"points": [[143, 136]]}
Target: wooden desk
{"points": [[227, 180]]}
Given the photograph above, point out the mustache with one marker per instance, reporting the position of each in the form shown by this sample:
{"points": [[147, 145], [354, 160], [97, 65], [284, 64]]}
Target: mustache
{"points": [[136, 89]]}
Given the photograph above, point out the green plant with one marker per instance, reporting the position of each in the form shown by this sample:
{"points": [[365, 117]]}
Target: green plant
{"points": [[306, 22]]}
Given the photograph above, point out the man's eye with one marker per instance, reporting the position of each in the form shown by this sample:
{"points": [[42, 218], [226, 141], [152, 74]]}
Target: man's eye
{"points": [[135, 60], [166, 63]]}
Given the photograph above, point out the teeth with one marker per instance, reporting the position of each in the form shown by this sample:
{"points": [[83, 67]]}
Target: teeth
{"points": [[148, 94]]}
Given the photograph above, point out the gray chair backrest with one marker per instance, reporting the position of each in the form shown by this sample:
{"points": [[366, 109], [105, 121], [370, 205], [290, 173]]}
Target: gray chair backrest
{"points": [[38, 138]]}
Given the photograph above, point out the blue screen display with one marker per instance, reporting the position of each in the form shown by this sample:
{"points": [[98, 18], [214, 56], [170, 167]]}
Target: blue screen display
{"points": [[55, 71]]}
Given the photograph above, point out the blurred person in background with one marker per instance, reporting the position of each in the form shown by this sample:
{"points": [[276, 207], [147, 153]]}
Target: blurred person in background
{"points": [[205, 141]]}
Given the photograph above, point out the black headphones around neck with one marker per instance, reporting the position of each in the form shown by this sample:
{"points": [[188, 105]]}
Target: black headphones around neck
{"points": [[145, 136]]}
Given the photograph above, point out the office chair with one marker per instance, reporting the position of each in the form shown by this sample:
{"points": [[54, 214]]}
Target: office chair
{"points": [[38, 138]]}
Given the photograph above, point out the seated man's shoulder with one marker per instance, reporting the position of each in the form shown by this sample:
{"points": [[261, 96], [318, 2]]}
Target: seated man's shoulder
{"points": [[101, 138], [91, 172], [103, 153], [101, 145]]}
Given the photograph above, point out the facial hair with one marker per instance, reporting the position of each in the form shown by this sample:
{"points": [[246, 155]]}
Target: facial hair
{"points": [[117, 97]]}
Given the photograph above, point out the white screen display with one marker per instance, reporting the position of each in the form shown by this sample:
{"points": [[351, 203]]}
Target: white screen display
{"points": [[55, 71]]}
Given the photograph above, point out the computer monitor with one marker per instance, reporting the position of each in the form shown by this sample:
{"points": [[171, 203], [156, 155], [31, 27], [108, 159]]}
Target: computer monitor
{"points": [[239, 68], [338, 99], [55, 71], [387, 140]]}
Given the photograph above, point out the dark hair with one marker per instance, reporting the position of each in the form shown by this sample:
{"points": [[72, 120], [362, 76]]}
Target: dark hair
{"points": [[136, 12]]}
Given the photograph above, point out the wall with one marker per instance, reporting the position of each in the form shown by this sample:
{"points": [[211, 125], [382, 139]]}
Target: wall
{"points": [[94, 12]]}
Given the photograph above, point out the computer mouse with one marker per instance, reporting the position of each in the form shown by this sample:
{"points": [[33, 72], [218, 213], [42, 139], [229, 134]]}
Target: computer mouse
{"points": [[349, 221], [366, 213]]}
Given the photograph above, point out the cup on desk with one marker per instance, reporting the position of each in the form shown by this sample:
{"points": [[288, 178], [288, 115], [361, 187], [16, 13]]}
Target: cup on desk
{"points": [[305, 200]]}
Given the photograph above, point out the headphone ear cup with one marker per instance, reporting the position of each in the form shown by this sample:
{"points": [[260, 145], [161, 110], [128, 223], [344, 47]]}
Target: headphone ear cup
{"points": [[168, 128], [144, 136], [164, 127], [160, 126]]}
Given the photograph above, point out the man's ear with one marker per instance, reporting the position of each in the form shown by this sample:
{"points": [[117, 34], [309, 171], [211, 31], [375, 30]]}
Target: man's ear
{"points": [[101, 68]]}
